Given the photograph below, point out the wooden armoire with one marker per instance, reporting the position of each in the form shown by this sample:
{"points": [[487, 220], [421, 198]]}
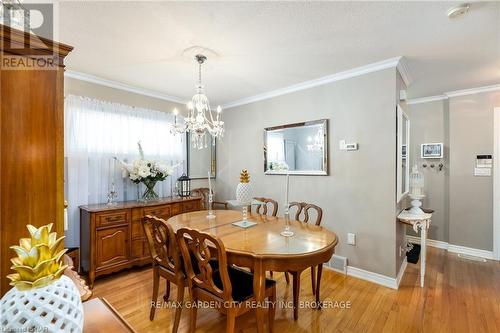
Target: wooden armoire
{"points": [[31, 138]]}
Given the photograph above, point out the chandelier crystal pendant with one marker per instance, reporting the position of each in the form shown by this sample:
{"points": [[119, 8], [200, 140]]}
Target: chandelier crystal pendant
{"points": [[200, 119]]}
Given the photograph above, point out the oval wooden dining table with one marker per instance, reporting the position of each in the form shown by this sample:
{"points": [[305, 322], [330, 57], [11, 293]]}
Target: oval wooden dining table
{"points": [[261, 247]]}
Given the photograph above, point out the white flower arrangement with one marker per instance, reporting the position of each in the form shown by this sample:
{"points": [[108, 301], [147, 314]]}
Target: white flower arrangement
{"points": [[142, 170], [279, 166]]}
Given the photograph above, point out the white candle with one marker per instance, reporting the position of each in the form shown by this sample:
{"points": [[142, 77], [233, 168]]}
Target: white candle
{"points": [[109, 170], [114, 172], [209, 184], [286, 190]]}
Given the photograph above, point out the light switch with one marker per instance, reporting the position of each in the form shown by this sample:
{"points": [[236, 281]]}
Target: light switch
{"points": [[351, 239], [482, 172]]}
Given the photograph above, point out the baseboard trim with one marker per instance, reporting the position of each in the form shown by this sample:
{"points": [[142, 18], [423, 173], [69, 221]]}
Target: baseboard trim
{"points": [[372, 277], [454, 248], [380, 279], [401, 272]]}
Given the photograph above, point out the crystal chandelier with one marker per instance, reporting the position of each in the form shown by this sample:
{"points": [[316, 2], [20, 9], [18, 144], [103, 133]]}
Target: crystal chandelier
{"points": [[200, 119], [317, 143]]}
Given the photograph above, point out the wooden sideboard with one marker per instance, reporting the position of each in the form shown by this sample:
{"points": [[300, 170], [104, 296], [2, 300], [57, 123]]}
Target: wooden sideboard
{"points": [[112, 238]]}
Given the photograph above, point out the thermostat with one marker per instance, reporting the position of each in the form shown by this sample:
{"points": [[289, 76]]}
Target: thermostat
{"points": [[347, 146], [351, 146]]}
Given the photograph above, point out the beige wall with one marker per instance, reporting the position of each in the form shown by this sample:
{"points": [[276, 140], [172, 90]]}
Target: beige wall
{"points": [[359, 194], [463, 203], [428, 124], [471, 198]]}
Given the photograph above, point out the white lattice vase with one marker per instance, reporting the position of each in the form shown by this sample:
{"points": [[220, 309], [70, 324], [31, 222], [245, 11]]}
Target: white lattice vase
{"points": [[53, 308], [244, 193]]}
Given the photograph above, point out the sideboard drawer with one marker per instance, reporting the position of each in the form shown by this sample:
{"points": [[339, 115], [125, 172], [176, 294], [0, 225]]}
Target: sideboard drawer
{"points": [[176, 209], [112, 218], [190, 206], [162, 212]]}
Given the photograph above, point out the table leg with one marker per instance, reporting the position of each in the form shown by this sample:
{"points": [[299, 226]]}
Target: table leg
{"points": [[259, 286], [318, 286], [296, 291], [423, 241]]}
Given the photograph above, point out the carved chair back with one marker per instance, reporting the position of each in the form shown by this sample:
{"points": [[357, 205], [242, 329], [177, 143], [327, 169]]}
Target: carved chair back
{"points": [[203, 193], [264, 207], [302, 213], [198, 250], [162, 243]]}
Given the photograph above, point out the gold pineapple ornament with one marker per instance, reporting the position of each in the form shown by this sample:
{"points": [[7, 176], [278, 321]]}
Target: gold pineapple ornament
{"points": [[244, 188], [38, 262], [42, 296], [244, 176]]}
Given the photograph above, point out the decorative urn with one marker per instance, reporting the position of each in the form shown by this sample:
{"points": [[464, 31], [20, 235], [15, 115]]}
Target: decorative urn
{"points": [[244, 188], [42, 298], [416, 191]]}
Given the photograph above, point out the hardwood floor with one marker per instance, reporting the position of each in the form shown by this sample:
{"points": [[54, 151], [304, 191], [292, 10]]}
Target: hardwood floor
{"points": [[460, 296]]}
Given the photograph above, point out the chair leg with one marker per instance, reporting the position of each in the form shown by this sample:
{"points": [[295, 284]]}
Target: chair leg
{"points": [[287, 278], [272, 310], [156, 286], [313, 279], [231, 320], [192, 318], [178, 309], [296, 291], [320, 270], [167, 291]]}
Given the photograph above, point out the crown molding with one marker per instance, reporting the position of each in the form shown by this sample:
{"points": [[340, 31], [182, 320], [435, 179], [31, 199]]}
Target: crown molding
{"points": [[455, 93], [121, 86], [404, 71], [370, 68], [426, 99], [471, 91]]}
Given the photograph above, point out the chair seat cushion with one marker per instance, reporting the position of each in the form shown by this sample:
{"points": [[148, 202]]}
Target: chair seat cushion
{"points": [[241, 281]]}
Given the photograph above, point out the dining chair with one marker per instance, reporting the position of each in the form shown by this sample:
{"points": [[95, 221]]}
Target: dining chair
{"points": [[302, 214], [271, 206], [167, 262], [264, 208], [215, 284], [203, 193]]}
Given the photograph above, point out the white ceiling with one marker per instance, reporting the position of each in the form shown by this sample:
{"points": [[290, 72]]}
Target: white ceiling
{"points": [[263, 46]]}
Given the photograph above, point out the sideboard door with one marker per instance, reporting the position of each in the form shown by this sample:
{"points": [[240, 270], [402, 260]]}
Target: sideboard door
{"points": [[112, 246]]}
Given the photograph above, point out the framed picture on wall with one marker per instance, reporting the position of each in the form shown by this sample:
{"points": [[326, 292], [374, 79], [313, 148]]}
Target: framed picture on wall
{"points": [[431, 150]]}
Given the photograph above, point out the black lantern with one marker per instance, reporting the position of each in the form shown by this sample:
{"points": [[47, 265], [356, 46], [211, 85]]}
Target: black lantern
{"points": [[184, 186]]}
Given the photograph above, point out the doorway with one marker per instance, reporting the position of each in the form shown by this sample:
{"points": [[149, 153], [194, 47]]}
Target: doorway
{"points": [[496, 185]]}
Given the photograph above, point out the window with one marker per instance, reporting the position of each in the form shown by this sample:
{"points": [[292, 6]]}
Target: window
{"points": [[95, 133]]}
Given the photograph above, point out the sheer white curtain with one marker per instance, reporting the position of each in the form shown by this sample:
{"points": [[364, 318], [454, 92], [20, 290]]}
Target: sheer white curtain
{"points": [[95, 132]]}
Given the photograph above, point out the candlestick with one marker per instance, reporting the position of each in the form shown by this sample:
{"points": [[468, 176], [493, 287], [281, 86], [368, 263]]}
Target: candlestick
{"points": [[287, 232], [211, 214], [286, 188]]}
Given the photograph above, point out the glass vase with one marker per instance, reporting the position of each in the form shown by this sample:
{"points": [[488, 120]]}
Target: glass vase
{"points": [[149, 194]]}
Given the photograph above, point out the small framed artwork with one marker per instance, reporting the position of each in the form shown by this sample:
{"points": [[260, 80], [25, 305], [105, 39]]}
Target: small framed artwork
{"points": [[431, 150]]}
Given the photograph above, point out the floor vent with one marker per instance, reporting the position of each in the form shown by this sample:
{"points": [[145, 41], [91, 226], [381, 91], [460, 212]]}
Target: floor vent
{"points": [[338, 263], [468, 257]]}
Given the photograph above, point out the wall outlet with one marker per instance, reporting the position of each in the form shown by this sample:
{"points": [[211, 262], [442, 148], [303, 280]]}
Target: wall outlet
{"points": [[402, 251], [351, 239]]}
